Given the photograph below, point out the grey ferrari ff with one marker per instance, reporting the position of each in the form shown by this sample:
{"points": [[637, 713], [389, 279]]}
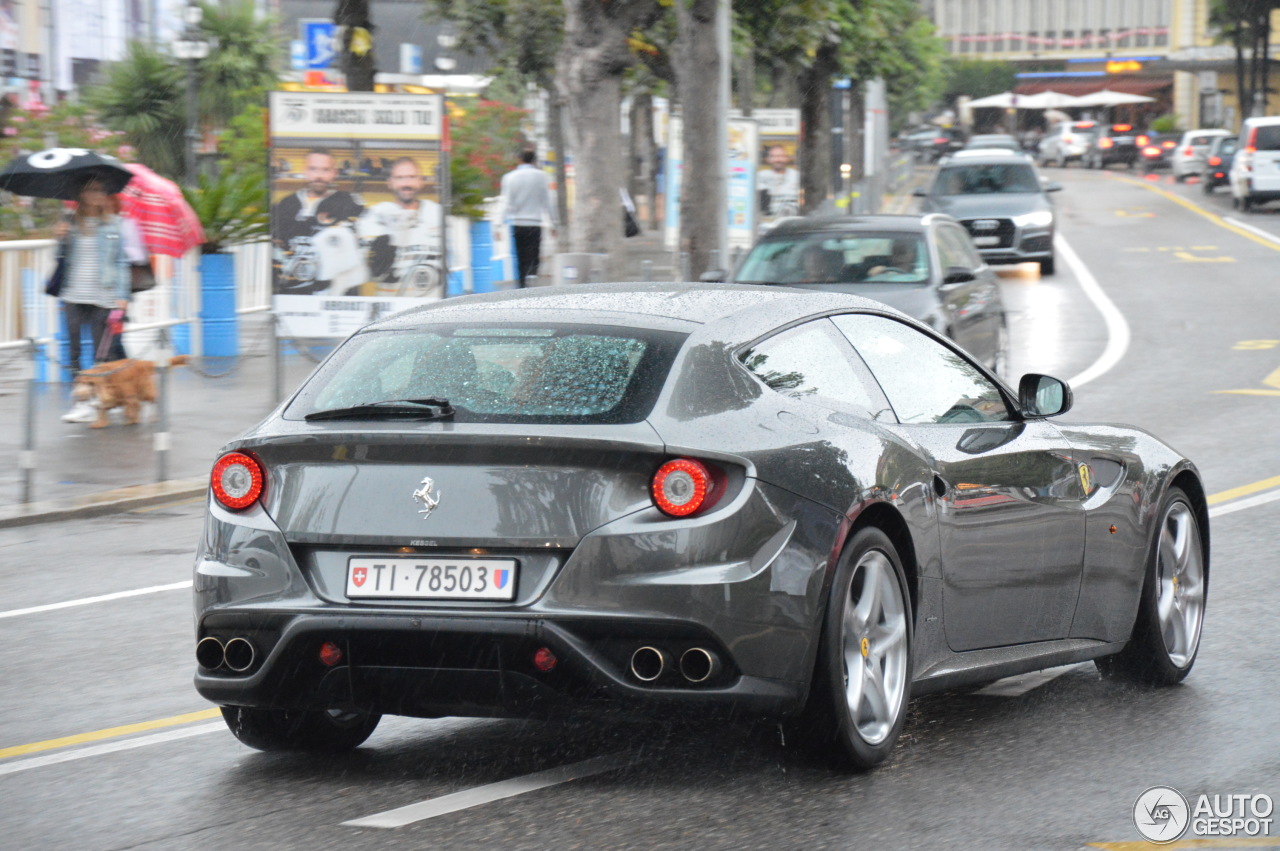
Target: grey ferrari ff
{"points": [[678, 497]]}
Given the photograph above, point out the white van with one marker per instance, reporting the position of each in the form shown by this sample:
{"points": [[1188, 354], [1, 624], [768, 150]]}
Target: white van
{"points": [[1255, 173]]}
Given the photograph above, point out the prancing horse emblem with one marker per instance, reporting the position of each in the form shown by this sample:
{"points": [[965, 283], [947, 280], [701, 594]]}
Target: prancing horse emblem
{"points": [[427, 496]]}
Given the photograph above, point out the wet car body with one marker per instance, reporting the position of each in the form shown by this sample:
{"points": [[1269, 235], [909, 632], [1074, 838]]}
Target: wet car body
{"points": [[1218, 161], [1157, 153], [955, 291], [1023, 543], [1002, 203]]}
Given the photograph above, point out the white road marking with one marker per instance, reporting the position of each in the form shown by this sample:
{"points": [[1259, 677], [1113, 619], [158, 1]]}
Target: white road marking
{"points": [[1117, 327], [1247, 502], [110, 747], [84, 601], [1023, 683], [1252, 229], [493, 792]]}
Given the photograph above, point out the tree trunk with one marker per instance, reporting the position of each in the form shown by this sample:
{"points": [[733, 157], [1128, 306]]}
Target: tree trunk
{"points": [[356, 54], [747, 79], [644, 155], [702, 183], [1243, 95], [815, 126], [589, 75], [556, 137]]}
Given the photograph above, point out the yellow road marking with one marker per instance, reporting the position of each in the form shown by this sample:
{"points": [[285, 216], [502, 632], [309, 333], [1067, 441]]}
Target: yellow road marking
{"points": [[1200, 211], [1254, 345], [1243, 490], [109, 733], [1188, 257], [1225, 842], [1272, 380]]}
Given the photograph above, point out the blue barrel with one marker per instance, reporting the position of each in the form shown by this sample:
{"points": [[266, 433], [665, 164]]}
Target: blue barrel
{"points": [[482, 266], [218, 305]]}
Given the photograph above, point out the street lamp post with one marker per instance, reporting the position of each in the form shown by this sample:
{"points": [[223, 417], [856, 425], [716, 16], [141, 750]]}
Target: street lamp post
{"points": [[191, 46]]}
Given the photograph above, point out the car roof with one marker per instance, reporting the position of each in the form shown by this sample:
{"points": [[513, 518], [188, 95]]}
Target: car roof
{"points": [[664, 306], [994, 155], [814, 224], [973, 153]]}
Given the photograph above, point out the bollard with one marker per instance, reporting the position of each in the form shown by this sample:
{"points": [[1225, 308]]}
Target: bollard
{"points": [[713, 261], [646, 271], [27, 458], [684, 265], [161, 439]]}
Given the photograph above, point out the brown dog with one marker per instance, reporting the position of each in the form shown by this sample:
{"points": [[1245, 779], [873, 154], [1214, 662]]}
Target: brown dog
{"points": [[119, 384]]}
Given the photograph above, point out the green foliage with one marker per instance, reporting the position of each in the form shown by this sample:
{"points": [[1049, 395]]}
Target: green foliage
{"points": [[977, 78], [65, 125], [142, 97], [242, 146], [1167, 123], [521, 35], [241, 67], [486, 140], [232, 208]]}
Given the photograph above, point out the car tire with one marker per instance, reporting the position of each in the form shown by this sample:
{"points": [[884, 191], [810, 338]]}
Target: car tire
{"points": [[1047, 267], [1246, 204], [1163, 646], [1206, 186], [324, 731], [862, 682]]}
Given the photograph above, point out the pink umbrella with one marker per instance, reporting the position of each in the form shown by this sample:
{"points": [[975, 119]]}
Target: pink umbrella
{"points": [[168, 224]]}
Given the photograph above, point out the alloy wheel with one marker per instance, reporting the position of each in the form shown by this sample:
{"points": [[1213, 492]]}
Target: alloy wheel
{"points": [[875, 647], [1180, 584]]}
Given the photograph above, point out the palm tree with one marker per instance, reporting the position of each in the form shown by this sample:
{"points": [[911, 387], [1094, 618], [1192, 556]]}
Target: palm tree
{"points": [[241, 65], [142, 97]]}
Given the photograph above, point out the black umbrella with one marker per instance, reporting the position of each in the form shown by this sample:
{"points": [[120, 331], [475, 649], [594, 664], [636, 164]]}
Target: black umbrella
{"points": [[60, 172]]}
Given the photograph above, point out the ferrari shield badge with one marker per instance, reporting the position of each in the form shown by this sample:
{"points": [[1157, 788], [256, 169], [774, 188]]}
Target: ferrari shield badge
{"points": [[428, 496]]}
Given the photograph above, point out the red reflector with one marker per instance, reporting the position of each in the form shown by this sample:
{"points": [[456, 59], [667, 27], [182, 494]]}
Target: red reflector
{"points": [[544, 660], [236, 480], [1215, 160], [1218, 174], [1189, 152], [330, 654], [941, 140], [681, 486]]}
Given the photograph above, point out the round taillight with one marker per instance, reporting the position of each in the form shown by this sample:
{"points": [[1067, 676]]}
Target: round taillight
{"points": [[544, 660], [237, 480], [330, 654], [681, 487]]}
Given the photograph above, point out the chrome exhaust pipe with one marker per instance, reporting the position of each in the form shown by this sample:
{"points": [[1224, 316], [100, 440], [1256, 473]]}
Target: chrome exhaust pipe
{"points": [[698, 664], [210, 654], [240, 654], [648, 663]]}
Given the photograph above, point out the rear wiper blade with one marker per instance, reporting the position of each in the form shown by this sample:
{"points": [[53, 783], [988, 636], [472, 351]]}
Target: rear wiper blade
{"points": [[430, 408]]}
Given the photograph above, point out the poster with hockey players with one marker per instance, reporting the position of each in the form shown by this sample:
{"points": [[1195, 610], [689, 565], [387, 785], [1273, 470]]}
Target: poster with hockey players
{"points": [[357, 227]]}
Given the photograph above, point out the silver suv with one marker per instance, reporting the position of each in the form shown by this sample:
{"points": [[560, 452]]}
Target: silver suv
{"points": [[1002, 202]]}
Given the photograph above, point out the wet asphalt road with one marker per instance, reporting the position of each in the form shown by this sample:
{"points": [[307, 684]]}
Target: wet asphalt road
{"points": [[1054, 766]]}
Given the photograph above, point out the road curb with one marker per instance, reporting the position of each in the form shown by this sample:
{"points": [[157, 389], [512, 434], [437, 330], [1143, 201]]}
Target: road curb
{"points": [[98, 504]]}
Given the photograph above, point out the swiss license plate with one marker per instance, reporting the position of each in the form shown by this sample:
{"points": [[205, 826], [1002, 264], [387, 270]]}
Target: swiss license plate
{"points": [[986, 240], [432, 578]]}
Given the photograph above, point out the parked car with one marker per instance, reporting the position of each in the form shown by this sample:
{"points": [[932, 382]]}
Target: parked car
{"points": [[1066, 141], [1255, 172], [1003, 204], [1222, 152], [925, 266], [1156, 151], [1113, 143], [1189, 156], [1001, 141], [678, 499]]}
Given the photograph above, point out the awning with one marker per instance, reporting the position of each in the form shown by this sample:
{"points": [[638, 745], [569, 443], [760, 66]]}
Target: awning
{"points": [[1129, 85]]}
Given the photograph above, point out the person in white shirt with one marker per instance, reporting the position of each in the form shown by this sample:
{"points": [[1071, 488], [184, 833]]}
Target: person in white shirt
{"points": [[404, 235], [526, 194], [778, 185]]}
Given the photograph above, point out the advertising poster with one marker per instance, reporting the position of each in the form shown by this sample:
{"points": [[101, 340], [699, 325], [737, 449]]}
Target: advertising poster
{"points": [[356, 223], [741, 178], [778, 177]]}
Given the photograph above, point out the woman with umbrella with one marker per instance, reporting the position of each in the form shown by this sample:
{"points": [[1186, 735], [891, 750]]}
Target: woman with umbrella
{"points": [[95, 277]]}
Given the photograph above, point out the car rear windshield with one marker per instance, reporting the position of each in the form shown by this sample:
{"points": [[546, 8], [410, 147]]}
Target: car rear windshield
{"points": [[1267, 138], [985, 179], [836, 258], [534, 373]]}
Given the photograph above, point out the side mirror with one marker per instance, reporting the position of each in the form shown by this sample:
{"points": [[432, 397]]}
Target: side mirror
{"points": [[1053, 187], [713, 276], [1043, 395], [920, 192], [958, 275]]}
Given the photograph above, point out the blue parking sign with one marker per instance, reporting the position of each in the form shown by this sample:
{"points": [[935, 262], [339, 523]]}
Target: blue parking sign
{"points": [[317, 37]]}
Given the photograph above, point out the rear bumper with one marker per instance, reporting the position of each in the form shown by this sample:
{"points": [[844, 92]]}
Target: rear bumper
{"points": [[478, 666]]}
